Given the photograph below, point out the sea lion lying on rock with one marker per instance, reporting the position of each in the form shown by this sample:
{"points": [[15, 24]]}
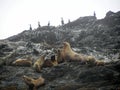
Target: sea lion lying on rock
{"points": [[91, 60], [33, 84], [51, 62], [22, 62], [47, 63], [99, 62]]}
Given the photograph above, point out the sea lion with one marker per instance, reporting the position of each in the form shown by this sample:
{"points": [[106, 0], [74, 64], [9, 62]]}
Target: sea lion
{"points": [[39, 63], [51, 62], [68, 54], [22, 62], [54, 60], [60, 56], [99, 62], [33, 84], [47, 63], [90, 60]]}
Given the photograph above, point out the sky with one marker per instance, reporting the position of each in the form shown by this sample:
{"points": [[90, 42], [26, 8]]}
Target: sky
{"points": [[17, 15]]}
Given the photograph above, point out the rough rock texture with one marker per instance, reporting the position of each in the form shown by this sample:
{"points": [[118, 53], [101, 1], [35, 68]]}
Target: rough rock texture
{"points": [[87, 35], [96, 34], [65, 76]]}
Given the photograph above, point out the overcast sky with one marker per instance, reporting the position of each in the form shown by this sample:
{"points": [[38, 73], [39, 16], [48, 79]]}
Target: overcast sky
{"points": [[16, 15]]}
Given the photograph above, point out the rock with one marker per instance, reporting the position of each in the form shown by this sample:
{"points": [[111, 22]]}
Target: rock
{"points": [[117, 66], [4, 49], [2, 62], [9, 88], [65, 76], [109, 14], [97, 74], [87, 35], [87, 31]]}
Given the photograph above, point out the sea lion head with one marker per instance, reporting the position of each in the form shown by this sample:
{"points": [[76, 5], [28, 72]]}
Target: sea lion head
{"points": [[42, 57], [27, 80], [66, 44]]}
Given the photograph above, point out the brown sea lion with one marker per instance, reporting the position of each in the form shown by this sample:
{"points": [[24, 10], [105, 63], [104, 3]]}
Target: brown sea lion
{"points": [[90, 60], [34, 84], [47, 63], [22, 62], [39, 63], [60, 56], [68, 54], [54, 60], [51, 62], [99, 62]]}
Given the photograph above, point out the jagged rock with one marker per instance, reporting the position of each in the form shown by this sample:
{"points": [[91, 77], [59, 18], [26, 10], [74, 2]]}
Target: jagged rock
{"points": [[86, 35], [86, 31], [97, 74], [110, 14], [65, 76], [4, 49]]}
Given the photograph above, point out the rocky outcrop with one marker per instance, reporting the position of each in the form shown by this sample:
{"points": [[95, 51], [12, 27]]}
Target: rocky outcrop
{"points": [[87, 35], [65, 76], [102, 34]]}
